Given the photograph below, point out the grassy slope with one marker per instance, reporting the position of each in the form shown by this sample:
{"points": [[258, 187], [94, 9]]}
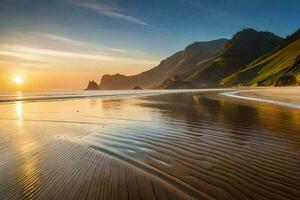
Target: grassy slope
{"points": [[239, 51], [265, 70]]}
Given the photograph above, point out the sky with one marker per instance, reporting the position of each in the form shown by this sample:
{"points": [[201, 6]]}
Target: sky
{"points": [[61, 44]]}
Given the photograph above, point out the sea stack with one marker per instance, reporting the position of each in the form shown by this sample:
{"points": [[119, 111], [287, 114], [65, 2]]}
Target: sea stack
{"points": [[92, 86]]}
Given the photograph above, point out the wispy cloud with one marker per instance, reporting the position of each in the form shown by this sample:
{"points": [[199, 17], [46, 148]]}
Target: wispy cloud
{"points": [[57, 41], [58, 38], [47, 51], [48, 55], [78, 43], [108, 11]]}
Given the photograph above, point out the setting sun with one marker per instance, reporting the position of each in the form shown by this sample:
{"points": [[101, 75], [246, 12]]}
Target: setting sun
{"points": [[19, 80]]}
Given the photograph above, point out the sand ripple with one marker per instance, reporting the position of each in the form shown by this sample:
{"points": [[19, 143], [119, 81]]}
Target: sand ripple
{"points": [[175, 146]]}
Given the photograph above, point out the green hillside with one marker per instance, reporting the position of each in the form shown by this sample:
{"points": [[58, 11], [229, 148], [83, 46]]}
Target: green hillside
{"points": [[244, 47], [281, 66]]}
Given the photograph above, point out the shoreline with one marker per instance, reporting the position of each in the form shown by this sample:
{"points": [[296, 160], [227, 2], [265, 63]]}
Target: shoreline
{"points": [[169, 146], [283, 96], [108, 94]]}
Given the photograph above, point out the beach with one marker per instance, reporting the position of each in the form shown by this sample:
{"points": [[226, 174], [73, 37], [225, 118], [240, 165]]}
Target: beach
{"points": [[189, 144]]}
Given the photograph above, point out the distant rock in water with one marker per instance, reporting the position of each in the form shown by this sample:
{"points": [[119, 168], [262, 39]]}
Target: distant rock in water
{"points": [[92, 86], [114, 82], [137, 87], [176, 83]]}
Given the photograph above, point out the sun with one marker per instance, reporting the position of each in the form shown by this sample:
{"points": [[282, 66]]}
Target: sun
{"points": [[19, 80]]}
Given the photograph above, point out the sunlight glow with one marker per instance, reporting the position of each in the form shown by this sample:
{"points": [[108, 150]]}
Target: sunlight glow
{"points": [[19, 80]]}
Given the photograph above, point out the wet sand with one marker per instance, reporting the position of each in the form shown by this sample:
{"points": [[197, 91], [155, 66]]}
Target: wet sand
{"points": [[197, 145]]}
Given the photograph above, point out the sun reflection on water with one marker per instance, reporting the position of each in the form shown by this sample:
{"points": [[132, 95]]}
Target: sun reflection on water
{"points": [[19, 113]]}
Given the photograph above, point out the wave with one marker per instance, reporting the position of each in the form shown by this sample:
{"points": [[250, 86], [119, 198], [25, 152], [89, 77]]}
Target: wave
{"points": [[236, 94]]}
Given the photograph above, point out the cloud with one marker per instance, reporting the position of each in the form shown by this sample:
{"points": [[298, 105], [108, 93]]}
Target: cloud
{"points": [[42, 50], [65, 40], [108, 11], [50, 55], [78, 43], [56, 41]]}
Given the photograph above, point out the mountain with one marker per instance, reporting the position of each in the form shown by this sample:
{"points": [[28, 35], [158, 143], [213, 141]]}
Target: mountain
{"points": [[279, 67], [248, 58], [244, 47], [180, 63]]}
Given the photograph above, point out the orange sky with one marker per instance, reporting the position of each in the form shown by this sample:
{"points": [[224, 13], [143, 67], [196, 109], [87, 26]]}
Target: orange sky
{"points": [[63, 44], [52, 62]]}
